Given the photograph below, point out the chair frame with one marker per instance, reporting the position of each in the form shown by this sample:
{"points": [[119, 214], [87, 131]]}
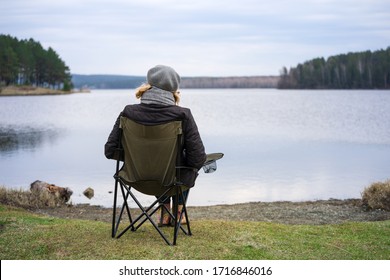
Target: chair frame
{"points": [[148, 212]]}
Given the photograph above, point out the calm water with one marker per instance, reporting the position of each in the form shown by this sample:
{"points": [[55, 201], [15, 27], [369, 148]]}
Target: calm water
{"points": [[278, 145]]}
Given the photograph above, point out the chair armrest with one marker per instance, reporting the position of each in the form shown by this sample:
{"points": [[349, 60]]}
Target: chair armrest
{"points": [[187, 167], [210, 164]]}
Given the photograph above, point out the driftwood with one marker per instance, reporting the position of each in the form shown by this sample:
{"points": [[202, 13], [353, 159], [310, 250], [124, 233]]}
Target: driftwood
{"points": [[63, 194]]}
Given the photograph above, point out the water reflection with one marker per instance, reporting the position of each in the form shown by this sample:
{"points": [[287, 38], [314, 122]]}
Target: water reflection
{"points": [[25, 138]]}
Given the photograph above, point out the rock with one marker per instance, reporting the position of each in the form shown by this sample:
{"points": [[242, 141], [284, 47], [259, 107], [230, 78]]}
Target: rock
{"points": [[89, 192]]}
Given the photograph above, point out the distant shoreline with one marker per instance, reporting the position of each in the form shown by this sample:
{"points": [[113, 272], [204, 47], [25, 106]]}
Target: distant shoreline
{"points": [[33, 91], [125, 82]]}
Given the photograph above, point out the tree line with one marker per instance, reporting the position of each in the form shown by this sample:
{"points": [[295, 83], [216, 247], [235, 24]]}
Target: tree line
{"points": [[230, 82], [359, 70], [103, 81], [26, 62], [120, 81]]}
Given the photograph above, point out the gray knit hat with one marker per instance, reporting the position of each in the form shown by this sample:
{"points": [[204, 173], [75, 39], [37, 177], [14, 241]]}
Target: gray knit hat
{"points": [[163, 77]]}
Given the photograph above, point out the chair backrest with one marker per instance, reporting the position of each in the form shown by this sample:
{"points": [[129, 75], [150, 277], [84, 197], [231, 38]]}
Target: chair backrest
{"points": [[150, 155]]}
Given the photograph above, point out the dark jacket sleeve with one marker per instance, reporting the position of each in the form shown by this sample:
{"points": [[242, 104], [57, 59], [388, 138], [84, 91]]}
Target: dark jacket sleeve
{"points": [[194, 152], [194, 149], [111, 147]]}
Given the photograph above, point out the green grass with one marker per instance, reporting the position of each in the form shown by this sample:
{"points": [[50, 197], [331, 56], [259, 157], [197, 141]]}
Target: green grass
{"points": [[24, 235]]}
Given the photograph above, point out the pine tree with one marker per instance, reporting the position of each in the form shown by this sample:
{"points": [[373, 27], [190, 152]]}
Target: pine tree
{"points": [[27, 62], [361, 70]]}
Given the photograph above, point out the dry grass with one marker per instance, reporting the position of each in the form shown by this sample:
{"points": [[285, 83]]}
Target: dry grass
{"points": [[29, 199], [377, 196], [28, 90]]}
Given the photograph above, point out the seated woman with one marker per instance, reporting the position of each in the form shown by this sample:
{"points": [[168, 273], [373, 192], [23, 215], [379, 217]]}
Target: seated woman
{"points": [[159, 104]]}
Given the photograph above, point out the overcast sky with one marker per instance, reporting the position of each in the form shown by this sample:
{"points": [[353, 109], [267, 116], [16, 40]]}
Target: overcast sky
{"points": [[197, 37]]}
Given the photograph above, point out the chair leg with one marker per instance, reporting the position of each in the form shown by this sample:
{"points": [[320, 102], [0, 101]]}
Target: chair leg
{"points": [[179, 215], [113, 229], [147, 214], [125, 206], [176, 222], [183, 214]]}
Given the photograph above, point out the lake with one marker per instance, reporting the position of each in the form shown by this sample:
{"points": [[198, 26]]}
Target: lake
{"points": [[279, 145]]}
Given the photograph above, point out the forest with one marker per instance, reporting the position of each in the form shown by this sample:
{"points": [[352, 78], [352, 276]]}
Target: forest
{"points": [[359, 70], [26, 62]]}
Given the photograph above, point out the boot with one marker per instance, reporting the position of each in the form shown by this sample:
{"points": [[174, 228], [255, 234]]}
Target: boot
{"points": [[165, 218]]}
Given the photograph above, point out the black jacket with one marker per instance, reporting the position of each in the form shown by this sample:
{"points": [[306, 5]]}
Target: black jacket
{"points": [[194, 150]]}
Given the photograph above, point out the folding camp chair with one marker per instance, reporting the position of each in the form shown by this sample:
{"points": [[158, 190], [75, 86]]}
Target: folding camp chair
{"points": [[152, 156]]}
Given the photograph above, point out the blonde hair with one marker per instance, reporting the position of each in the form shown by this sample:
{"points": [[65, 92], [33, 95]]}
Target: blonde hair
{"points": [[145, 87], [139, 91]]}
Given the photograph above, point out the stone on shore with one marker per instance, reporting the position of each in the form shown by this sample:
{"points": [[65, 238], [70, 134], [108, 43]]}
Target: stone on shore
{"points": [[89, 192]]}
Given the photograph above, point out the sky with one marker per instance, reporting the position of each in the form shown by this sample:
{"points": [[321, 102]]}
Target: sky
{"points": [[197, 38]]}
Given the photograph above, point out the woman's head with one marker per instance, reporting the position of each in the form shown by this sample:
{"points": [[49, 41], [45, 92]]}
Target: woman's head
{"points": [[164, 78]]}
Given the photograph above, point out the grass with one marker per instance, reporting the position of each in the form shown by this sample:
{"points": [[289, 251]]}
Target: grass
{"points": [[25, 235]]}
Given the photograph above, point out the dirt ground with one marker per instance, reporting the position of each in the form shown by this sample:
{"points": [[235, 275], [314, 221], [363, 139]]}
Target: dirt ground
{"points": [[310, 212]]}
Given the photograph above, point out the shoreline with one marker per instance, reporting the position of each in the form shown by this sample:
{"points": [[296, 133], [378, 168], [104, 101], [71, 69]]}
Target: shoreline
{"points": [[35, 91], [319, 212]]}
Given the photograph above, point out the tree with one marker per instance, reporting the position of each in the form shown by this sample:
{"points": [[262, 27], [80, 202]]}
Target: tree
{"points": [[360, 70], [8, 66], [27, 62]]}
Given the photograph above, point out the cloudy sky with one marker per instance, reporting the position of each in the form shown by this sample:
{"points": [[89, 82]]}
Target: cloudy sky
{"points": [[197, 38]]}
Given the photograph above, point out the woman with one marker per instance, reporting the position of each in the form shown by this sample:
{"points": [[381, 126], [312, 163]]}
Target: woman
{"points": [[159, 104]]}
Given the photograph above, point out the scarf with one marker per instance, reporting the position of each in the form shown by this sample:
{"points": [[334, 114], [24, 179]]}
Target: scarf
{"points": [[158, 96]]}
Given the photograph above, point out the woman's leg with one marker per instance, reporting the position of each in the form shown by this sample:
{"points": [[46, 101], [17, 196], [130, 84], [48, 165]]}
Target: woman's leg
{"points": [[180, 202], [165, 218]]}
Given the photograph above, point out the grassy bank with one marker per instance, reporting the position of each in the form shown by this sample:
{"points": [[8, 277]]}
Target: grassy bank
{"points": [[24, 235]]}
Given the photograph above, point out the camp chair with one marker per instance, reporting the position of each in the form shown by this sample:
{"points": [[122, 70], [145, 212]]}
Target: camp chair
{"points": [[152, 156]]}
